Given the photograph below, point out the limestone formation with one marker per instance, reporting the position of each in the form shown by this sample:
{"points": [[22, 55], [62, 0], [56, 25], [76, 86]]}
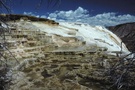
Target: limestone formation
{"points": [[47, 61]]}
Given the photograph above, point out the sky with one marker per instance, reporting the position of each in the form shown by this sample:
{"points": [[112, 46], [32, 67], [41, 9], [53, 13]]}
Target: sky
{"points": [[96, 12]]}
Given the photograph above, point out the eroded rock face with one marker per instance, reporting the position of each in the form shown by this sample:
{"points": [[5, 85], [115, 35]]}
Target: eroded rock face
{"points": [[127, 33]]}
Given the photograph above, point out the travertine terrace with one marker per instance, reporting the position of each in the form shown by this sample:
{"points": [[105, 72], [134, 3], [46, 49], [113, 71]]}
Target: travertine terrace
{"points": [[46, 60]]}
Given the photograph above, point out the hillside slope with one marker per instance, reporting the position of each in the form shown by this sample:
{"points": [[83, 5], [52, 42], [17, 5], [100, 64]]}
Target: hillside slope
{"points": [[127, 33]]}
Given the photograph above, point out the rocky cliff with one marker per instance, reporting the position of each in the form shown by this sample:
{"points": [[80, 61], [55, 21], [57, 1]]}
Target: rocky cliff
{"points": [[127, 33]]}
